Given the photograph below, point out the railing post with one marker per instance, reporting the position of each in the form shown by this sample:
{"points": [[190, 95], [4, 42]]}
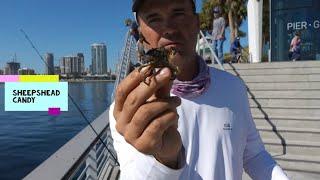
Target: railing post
{"points": [[91, 165], [215, 58]]}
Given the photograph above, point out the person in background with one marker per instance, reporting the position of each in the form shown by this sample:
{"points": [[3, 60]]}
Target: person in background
{"points": [[295, 47], [235, 50], [218, 33]]}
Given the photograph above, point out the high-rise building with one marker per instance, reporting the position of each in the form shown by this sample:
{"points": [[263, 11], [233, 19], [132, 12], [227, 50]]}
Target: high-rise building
{"points": [[81, 63], [57, 70], [49, 66], [72, 64], [26, 71], [1, 72], [6, 70], [90, 69], [99, 58], [12, 68], [62, 66]]}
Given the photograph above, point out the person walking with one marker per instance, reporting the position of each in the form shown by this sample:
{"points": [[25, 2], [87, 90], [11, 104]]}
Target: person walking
{"points": [[236, 50], [218, 33], [295, 47]]}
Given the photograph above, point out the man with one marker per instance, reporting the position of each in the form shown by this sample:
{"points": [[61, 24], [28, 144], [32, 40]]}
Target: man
{"points": [[208, 133], [218, 30]]}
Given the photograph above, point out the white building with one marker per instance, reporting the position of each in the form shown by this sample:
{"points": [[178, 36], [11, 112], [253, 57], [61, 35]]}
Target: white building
{"points": [[99, 58]]}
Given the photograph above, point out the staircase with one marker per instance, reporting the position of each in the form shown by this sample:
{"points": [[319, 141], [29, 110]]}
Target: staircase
{"points": [[285, 104]]}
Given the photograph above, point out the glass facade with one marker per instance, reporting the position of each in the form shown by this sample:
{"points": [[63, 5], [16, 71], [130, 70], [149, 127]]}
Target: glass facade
{"points": [[289, 17]]}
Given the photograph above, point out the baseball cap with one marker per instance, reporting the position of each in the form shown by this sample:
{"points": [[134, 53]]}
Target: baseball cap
{"points": [[216, 10], [137, 3]]}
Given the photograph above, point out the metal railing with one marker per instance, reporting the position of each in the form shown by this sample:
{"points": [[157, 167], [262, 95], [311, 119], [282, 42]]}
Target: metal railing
{"points": [[85, 157], [127, 59], [212, 53]]}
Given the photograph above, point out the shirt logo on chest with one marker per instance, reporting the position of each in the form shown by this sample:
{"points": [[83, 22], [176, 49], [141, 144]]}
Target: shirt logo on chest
{"points": [[227, 126]]}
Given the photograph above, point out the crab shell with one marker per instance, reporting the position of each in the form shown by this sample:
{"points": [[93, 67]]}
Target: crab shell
{"points": [[160, 58]]}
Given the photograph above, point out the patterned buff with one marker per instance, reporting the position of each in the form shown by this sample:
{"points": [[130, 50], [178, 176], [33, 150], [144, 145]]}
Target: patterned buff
{"points": [[196, 87]]}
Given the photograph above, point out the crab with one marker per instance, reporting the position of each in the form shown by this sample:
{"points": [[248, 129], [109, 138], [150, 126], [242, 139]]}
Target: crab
{"points": [[158, 58]]}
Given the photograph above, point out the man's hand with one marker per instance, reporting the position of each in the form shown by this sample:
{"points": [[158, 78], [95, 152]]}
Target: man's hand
{"points": [[221, 37], [146, 115]]}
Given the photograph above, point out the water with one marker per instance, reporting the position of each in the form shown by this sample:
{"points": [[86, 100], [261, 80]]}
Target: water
{"points": [[29, 138]]}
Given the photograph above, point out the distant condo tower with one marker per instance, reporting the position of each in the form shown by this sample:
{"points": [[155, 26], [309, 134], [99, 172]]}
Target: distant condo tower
{"points": [[49, 66], [99, 58], [12, 67], [72, 64]]}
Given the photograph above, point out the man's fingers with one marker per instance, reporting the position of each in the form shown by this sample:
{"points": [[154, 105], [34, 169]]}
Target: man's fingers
{"points": [[151, 138], [140, 94], [164, 91], [126, 86], [147, 113]]}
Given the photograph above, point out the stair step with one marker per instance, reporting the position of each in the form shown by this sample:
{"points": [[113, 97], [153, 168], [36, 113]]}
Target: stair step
{"points": [[283, 123], [282, 71], [283, 85], [275, 148], [295, 175], [274, 65], [285, 103], [106, 170], [282, 78], [290, 94], [289, 113], [305, 163], [115, 173], [290, 133]]}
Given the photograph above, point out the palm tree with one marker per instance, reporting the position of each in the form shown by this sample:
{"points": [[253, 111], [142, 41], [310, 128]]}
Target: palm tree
{"points": [[237, 12]]}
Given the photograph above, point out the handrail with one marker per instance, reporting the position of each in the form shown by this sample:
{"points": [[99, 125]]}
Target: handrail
{"points": [[128, 56], [84, 156], [215, 58], [65, 163]]}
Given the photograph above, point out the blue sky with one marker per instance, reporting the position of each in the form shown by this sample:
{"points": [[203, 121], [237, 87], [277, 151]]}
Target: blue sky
{"points": [[63, 27]]}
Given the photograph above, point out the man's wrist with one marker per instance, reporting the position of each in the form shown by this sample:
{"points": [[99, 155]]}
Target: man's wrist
{"points": [[173, 162]]}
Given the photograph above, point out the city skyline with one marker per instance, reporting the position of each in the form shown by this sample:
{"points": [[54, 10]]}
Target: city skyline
{"points": [[51, 62], [64, 32]]}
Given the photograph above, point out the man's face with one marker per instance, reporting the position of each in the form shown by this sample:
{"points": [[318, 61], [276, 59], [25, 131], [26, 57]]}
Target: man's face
{"points": [[169, 23]]}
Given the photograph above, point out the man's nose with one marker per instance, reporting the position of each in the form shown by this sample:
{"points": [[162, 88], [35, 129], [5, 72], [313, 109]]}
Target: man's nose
{"points": [[169, 28]]}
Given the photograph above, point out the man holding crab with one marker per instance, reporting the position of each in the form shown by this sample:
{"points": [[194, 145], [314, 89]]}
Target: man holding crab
{"points": [[195, 127]]}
